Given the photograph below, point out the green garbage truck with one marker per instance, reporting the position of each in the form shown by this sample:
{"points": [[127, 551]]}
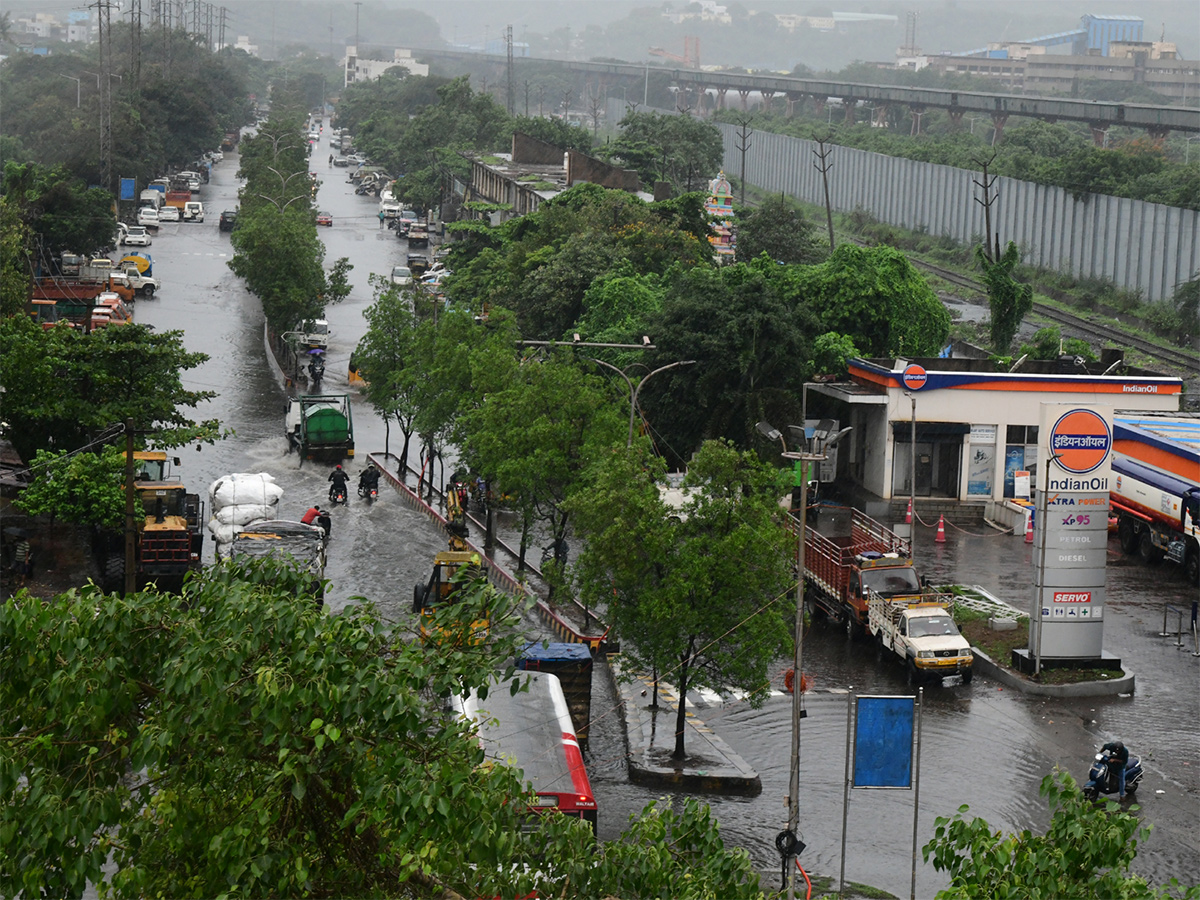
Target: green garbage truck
{"points": [[320, 427]]}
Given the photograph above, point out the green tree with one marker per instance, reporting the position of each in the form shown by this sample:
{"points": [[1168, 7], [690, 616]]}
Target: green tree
{"points": [[679, 149], [275, 750], [1010, 301], [1186, 300], [877, 298], [82, 488], [1085, 853], [535, 435], [387, 357], [59, 213], [63, 388], [692, 593], [1048, 343], [780, 230], [277, 251], [749, 338], [14, 259]]}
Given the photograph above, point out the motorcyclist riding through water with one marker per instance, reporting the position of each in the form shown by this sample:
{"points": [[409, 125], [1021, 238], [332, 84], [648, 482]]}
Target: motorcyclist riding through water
{"points": [[368, 480], [338, 479]]}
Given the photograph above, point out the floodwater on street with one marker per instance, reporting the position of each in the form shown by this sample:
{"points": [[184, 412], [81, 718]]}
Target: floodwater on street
{"points": [[982, 745]]}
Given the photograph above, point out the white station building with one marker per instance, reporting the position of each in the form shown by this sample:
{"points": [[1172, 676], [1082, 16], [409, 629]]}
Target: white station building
{"points": [[975, 425]]}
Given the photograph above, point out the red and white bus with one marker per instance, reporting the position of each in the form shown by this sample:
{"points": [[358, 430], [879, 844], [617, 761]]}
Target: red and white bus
{"points": [[532, 731]]}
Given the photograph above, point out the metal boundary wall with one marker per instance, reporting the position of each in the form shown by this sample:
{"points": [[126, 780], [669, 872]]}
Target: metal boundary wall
{"points": [[1138, 246]]}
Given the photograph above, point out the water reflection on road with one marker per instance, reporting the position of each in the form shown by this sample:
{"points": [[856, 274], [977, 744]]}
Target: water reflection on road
{"points": [[982, 745]]}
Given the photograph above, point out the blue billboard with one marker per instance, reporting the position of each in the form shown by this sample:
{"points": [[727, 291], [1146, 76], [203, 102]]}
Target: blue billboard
{"points": [[883, 742]]}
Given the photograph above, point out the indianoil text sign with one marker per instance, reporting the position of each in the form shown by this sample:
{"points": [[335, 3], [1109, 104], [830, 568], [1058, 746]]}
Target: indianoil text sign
{"points": [[1071, 532]]}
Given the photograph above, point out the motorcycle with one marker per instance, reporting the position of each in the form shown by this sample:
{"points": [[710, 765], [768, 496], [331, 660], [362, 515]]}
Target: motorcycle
{"points": [[369, 492], [324, 522], [1102, 777], [337, 494], [316, 371]]}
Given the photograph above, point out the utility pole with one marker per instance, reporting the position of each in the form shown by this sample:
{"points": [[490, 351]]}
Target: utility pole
{"points": [[823, 165], [130, 515], [510, 89], [566, 104], [221, 32], [104, 17], [743, 144], [989, 197], [527, 98]]}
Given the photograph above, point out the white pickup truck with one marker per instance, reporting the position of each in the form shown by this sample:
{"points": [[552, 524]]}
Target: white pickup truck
{"points": [[126, 274], [921, 631]]}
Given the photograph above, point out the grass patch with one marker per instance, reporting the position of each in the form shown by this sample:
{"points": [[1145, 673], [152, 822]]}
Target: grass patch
{"points": [[823, 887], [996, 644], [1076, 676]]}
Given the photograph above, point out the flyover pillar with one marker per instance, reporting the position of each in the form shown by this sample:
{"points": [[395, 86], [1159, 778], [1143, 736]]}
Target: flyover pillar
{"points": [[999, 120], [766, 99], [721, 97], [1158, 134], [917, 111], [956, 117], [851, 106], [879, 116], [792, 99], [1099, 133], [745, 95], [819, 103]]}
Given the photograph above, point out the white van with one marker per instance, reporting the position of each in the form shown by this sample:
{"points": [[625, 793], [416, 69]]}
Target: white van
{"points": [[152, 198], [193, 211]]}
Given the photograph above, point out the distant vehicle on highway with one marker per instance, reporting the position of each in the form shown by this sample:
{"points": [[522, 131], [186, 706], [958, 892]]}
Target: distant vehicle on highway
{"points": [[324, 218], [148, 215], [168, 214], [136, 236], [228, 220]]}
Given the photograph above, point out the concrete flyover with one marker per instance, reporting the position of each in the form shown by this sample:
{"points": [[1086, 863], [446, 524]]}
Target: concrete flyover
{"points": [[1158, 121]]}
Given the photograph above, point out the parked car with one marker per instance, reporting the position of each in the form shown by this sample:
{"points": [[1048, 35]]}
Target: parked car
{"points": [[168, 214], [341, 161], [228, 220], [401, 275], [324, 218], [418, 236], [148, 215], [136, 236]]}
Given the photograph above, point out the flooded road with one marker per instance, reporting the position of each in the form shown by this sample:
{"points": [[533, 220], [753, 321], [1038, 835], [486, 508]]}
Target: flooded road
{"points": [[982, 745]]}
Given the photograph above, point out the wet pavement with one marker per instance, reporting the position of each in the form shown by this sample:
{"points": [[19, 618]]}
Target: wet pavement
{"points": [[982, 744]]}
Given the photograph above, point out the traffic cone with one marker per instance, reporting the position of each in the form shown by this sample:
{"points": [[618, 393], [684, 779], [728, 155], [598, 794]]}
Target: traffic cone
{"points": [[1029, 526], [908, 515], [941, 535]]}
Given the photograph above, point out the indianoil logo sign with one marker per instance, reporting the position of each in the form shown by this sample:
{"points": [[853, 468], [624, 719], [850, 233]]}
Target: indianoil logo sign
{"points": [[1080, 440], [915, 377]]}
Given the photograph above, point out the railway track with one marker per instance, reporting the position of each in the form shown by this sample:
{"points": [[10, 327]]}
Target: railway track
{"points": [[1187, 362]]}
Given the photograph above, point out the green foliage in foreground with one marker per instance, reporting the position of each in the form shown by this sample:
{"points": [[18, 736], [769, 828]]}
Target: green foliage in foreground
{"points": [[234, 741], [1085, 853]]}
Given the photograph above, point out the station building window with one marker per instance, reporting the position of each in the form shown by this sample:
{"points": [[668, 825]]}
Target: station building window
{"points": [[1020, 454]]}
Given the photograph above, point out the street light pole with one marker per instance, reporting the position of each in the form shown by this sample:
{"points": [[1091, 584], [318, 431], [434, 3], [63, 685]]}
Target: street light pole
{"points": [[912, 462], [76, 80], [820, 450], [634, 391]]}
